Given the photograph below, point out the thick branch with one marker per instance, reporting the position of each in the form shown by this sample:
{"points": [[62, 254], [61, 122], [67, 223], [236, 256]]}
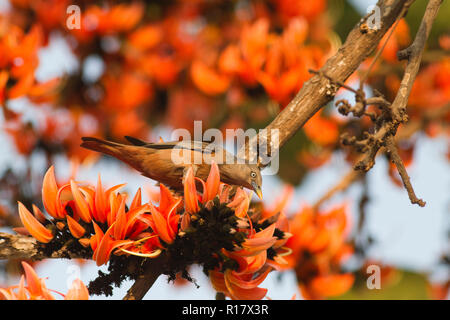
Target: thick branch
{"points": [[27, 248], [145, 281]]}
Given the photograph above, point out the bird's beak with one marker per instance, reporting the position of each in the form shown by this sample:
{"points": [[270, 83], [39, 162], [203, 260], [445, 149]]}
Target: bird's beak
{"points": [[257, 189]]}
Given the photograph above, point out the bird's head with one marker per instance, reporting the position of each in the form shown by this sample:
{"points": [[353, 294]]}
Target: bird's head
{"points": [[253, 178]]}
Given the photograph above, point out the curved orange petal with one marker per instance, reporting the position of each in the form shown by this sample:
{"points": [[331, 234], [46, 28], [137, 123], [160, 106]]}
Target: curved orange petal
{"points": [[102, 252], [80, 202], [218, 281], [22, 291], [256, 262], [21, 87], [332, 285], [133, 214], [172, 232], [121, 221], [161, 226], [212, 183], [207, 79], [190, 193], [75, 228], [240, 203], [100, 202], [238, 293], [166, 198], [95, 239], [185, 221], [246, 284], [49, 193], [77, 291], [34, 227], [34, 284], [8, 294], [137, 200], [38, 214]]}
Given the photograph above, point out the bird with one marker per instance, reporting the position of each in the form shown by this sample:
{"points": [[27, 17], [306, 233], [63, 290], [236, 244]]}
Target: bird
{"points": [[168, 162]]}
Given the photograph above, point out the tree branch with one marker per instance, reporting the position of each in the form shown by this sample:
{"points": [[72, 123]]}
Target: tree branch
{"points": [[28, 248], [392, 152], [145, 281], [342, 185], [315, 92]]}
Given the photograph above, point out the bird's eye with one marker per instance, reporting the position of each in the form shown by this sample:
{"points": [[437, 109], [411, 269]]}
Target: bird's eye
{"points": [[253, 174]]}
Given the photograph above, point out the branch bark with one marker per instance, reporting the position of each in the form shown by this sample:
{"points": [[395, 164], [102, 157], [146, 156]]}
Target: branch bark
{"points": [[28, 248]]}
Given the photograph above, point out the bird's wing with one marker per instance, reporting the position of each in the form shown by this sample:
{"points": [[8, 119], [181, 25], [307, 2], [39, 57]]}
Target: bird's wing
{"points": [[205, 147], [136, 141]]}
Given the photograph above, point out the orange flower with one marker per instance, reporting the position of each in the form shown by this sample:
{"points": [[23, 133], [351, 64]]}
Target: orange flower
{"points": [[321, 130], [146, 37], [258, 242], [211, 189], [164, 220], [34, 227], [126, 92], [208, 80], [99, 206], [77, 291], [318, 248], [36, 289], [328, 286]]}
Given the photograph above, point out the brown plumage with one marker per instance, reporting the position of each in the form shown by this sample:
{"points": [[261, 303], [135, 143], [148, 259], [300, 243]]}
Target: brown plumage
{"points": [[156, 161]]}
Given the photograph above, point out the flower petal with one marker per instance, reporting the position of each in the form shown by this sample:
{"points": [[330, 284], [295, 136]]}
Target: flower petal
{"points": [[332, 285], [49, 193], [34, 284], [77, 291], [80, 202], [34, 227], [161, 225], [212, 183], [75, 228], [100, 202], [190, 193]]}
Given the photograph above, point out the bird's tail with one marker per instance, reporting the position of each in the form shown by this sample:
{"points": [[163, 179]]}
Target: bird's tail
{"points": [[112, 148], [135, 156]]}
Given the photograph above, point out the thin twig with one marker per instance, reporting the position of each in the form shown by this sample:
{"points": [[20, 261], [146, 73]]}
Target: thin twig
{"points": [[392, 152], [342, 185]]}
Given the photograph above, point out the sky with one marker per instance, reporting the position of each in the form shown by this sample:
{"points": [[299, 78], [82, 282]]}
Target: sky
{"points": [[406, 235]]}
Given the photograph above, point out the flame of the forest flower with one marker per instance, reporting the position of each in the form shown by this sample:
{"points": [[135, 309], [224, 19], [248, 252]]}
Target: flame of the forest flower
{"points": [[75, 228], [190, 193], [35, 288], [211, 188], [212, 183], [80, 202], [49, 193], [146, 230], [240, 203], [322, 235], [34, 227], [77, 291], [258, 242]]}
